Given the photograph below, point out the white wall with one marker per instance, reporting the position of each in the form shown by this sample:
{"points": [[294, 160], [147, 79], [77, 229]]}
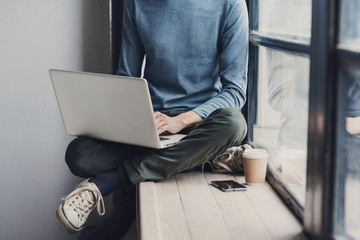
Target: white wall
{"points": [[35, 36]]}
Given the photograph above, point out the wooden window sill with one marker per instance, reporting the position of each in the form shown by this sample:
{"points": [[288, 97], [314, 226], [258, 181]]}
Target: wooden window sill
{"points": [[187, 207]]}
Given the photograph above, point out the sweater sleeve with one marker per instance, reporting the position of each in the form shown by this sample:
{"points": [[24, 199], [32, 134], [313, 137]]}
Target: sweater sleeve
{"points": [[233, 60], [132, 51]]}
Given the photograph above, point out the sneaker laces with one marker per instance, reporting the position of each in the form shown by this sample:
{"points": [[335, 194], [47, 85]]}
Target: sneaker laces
{"points": [[84, 202], [228, 161]]}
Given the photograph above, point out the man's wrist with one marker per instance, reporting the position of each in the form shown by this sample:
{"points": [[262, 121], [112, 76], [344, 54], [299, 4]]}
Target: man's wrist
{"points": [[188, 118]]}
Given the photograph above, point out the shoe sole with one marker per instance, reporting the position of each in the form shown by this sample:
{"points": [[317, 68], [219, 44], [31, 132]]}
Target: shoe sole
{"points": [[64, 222]]}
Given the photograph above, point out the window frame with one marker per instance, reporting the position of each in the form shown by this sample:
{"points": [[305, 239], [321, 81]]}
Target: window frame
{"points": [[320, 186], [295, 47], [321, 216]]}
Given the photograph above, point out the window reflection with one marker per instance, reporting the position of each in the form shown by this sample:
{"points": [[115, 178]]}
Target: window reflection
{"points": [[282, 116], [349, 151], [288, 88]]}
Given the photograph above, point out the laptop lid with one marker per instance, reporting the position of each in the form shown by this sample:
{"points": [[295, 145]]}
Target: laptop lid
{"points": [[108, 107]]}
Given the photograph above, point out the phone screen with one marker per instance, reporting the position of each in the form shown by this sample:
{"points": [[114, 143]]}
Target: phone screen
{"points": [[228, 185]]}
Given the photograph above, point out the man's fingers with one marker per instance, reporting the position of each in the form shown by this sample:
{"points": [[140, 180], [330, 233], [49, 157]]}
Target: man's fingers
{"points": [[157, 114], [161, 129], [161, 124], [159, 117]]}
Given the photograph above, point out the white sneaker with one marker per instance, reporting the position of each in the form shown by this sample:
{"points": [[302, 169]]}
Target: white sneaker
{"points": [[77, 206]]}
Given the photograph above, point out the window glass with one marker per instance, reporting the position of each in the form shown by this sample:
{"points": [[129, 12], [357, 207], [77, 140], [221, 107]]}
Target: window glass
{"points": [[280, 124], [283, 18], [348, 155], [350, 24]]}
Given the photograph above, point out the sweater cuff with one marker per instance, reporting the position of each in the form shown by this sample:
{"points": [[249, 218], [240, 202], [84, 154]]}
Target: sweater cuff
{"points": [[201, 112]]}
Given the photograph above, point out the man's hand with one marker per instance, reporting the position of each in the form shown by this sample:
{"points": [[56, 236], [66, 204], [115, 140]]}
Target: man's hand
{"points": [[175, 124], [166, 123]]}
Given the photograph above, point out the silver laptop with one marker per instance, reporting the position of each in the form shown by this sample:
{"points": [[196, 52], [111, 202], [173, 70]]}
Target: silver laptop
{"points": [[108, 107]]}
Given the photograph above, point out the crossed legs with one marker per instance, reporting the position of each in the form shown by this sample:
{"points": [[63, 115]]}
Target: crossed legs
{"points": [[90, 158]]}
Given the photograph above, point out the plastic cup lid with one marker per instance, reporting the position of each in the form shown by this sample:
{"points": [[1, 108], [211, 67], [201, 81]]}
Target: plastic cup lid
{"points": [[255, 153]]}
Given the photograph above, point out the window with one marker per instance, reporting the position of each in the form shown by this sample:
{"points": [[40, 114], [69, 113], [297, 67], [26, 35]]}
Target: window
{"points": [[289, 19], [348, 153], [278, 98], [317, 61], [282, 116], [347, 194], [350, 25]]}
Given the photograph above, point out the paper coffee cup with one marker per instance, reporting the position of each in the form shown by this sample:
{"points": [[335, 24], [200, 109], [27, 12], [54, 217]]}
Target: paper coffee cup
{"points": [[255, 163]]}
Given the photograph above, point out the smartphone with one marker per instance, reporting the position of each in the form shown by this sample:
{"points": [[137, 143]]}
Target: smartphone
{"points": [[228, 185]]}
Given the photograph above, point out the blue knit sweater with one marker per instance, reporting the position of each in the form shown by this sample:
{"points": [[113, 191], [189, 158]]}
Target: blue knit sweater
{"points": [[196, 52]]}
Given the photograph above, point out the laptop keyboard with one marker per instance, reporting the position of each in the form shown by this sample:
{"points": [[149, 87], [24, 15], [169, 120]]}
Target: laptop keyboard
{"points": [[164, 138]]}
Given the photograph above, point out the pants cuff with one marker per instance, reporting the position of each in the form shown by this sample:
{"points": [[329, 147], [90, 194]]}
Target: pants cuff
{"points": [[130, 170]]}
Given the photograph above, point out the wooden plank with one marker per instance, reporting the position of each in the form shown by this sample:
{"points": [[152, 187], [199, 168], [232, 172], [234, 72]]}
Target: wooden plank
{"points": [[278, 220], [202, 213], [173, 224], [240, 217], [186, 207], [148, 219]]}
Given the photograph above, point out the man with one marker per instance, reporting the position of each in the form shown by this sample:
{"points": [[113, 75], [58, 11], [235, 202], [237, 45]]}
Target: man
{"points": [[196, 68]]}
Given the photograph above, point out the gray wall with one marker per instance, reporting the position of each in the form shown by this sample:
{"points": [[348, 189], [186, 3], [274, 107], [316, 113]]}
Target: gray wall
{"points": [[35, 36]]}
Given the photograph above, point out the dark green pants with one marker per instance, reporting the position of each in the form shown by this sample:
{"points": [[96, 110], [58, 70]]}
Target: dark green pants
{"points": [[206, 139]]}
